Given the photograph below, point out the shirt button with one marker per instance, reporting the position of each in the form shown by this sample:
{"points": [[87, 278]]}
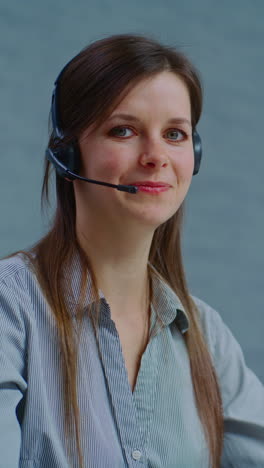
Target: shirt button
{"points": [[136, 454]]}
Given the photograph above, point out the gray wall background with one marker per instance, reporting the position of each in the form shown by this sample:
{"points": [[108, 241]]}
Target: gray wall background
{"points": [[224, 229]]}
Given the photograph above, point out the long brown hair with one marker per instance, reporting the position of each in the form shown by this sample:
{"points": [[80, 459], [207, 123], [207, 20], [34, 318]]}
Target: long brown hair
{"points": [[94, 82]]}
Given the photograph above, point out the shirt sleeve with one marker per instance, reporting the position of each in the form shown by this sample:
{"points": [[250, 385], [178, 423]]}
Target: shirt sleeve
{"points": [[12, 383], [242, 397]]}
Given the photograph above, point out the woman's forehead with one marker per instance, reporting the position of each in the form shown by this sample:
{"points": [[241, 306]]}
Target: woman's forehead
{"points": [[165, 92]]}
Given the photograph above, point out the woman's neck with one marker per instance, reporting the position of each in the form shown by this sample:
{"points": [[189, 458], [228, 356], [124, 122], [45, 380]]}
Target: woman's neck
{"points": [[119, 261]]}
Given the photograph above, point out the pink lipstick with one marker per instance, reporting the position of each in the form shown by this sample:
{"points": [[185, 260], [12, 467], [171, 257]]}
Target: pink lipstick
{"points": [[151, 187]]}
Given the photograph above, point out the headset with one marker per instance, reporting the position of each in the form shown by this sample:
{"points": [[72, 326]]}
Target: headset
{"points": [[66, 158]]}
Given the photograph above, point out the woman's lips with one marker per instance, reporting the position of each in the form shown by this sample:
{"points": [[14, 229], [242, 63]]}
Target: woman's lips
{"points": [[151, 187]]}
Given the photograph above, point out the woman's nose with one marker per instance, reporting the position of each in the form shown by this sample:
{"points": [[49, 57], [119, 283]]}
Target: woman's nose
{"points": [[153, 157]]}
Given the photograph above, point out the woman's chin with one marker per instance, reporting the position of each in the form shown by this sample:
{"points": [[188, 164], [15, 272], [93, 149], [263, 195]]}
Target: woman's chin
{"points": [[152, 219]]}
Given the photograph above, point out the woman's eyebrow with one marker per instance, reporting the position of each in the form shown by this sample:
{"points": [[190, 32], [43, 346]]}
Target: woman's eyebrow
{"points": [[131, 118], [125, 117], [180, 120]]}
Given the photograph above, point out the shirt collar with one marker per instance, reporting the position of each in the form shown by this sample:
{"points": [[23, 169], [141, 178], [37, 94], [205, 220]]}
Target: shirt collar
{"points": [[165, 301]]}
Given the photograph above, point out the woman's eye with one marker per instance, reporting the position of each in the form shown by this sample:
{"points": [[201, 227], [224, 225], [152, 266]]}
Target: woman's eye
{"points": [[124, 132], [176, 135]]}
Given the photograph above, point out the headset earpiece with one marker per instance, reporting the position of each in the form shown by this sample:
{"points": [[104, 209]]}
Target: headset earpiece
{"points": [[197, 150], [64, 159]]}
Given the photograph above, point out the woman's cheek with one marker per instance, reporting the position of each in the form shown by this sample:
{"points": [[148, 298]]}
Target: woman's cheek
{"points": [[113, 164], [99, 163], [185, 166]]}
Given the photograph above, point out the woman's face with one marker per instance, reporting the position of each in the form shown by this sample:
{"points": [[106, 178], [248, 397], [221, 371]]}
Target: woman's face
{"points": [[146, 141]]}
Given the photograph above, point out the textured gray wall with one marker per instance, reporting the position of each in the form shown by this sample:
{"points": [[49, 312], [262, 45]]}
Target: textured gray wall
{"points": [[224, 230]]}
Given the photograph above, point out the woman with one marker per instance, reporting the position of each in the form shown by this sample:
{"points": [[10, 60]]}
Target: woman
{"points": [[106, 358]]}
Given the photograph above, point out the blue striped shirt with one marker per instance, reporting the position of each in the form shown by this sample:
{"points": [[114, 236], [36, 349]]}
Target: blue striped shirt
{"points": [[154, 426]]}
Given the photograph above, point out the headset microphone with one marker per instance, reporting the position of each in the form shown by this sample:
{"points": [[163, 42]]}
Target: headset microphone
{"points": [[66, 173]]}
